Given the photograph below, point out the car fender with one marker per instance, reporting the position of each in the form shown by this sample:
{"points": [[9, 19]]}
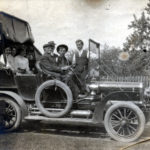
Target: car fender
{"points": [[102, 107], [18, 99]]}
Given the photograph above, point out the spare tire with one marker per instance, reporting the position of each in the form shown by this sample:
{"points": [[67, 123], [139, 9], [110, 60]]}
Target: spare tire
{"points": [[61, 85]]}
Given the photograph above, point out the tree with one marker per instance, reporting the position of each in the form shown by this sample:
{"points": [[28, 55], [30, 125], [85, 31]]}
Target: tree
{"points": [[138, 43], [110, 65], [139, 39]]}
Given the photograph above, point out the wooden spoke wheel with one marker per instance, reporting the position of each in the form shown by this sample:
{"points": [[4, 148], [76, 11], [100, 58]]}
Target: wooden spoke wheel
{"points": [[124, 121], [10, 117]]}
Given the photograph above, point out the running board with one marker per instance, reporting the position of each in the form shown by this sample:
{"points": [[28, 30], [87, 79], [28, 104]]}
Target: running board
{"points": [[68, 121]]}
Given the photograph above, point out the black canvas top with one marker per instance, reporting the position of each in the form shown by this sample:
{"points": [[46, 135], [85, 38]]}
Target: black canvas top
{"points": [[15, 29]]}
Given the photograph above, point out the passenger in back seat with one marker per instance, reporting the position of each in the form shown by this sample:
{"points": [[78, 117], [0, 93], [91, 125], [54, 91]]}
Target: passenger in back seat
{"points": [[21, 62], [10, 53]]}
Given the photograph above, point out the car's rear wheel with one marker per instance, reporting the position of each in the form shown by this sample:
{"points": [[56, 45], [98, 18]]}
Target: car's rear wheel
{"points": [[54, 98], [10, 118], [124, 121]]}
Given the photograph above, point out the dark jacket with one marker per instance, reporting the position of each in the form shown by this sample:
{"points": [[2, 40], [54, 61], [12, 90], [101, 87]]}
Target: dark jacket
{"points": [[48, 63], [63, 61]]}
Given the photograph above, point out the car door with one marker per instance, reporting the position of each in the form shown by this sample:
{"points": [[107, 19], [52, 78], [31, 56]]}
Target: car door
{"points": [[27, 85]]}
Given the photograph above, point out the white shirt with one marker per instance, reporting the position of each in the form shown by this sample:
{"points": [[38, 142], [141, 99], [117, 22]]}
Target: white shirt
{"points": [[80, 53], [2, 63], [10, 62], [22, 63], [2, 59]]}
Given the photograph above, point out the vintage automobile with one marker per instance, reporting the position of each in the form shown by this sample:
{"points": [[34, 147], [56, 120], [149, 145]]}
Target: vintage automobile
{"points": [[120, 106]]}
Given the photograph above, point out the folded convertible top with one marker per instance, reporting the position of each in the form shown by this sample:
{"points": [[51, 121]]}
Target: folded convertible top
{"points": [[15, 29]]}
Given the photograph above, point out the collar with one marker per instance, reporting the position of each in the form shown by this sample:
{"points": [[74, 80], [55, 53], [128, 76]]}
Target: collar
{"points": [[80, 52], [52, 54]]}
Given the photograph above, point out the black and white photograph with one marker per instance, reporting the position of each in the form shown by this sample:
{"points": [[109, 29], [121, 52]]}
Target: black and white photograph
{"points": [[74, 75]]}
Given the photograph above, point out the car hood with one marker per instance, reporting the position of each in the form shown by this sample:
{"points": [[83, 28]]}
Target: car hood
{"points": [[121, 84]]}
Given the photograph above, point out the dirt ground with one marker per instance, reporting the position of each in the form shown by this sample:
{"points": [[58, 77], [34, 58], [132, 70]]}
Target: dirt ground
{"points": [[41, 136]]}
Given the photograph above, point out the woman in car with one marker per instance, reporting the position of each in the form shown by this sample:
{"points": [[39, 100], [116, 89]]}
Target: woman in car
{"points": [[10, 53], [21, 62]]}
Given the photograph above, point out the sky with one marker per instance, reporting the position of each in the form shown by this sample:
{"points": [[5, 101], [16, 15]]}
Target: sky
{"points": [[65, 21]]}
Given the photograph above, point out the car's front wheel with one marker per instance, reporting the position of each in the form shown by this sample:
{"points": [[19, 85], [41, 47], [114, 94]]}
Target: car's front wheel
{"points": [[124, 121], [10, 117]]}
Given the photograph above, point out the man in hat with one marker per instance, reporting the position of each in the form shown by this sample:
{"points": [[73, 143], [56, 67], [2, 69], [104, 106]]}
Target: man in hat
{"points": [[80, 61], [48, 62]]}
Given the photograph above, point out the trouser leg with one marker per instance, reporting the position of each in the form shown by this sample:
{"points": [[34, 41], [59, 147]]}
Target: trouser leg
{"points": [[69, 80], [74, 88], [80, 81]]}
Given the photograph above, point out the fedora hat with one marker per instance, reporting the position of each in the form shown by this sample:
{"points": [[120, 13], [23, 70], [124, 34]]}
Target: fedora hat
{"points": [[49, 44]]}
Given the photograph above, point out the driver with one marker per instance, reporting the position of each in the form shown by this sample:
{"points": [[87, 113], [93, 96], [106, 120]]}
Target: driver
{"points": [[48, 62]]}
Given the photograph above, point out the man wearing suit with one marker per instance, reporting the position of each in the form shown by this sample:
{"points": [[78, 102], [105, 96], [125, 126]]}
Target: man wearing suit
{"points": [[48, 60]]}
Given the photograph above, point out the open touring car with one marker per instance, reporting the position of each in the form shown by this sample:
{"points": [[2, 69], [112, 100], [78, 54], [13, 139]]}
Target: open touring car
{"points": [[120, 106]]}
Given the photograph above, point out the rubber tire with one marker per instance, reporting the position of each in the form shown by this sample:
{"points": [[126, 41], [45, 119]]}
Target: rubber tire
{"points": [[18, 112], [66, 90], [139, 113]]}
